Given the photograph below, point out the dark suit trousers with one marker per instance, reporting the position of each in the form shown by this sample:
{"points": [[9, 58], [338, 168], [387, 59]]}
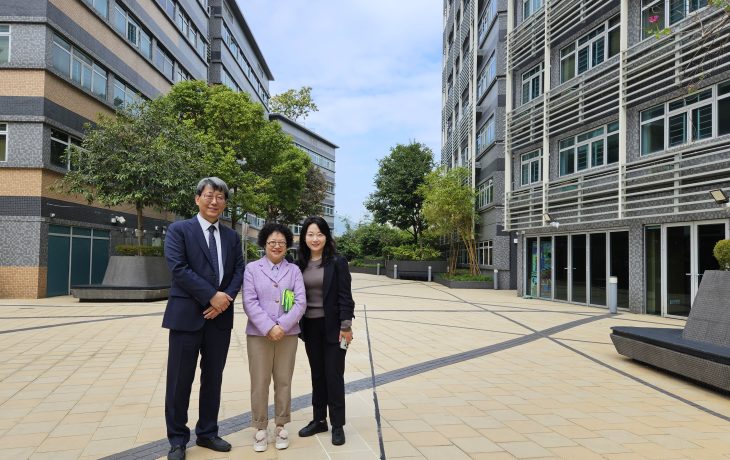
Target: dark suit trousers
{"points": [[211, 343], [327, 363]]}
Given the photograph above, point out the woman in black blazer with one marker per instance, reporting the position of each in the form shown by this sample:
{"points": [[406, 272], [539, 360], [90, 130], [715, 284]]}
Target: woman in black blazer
{"points": [[326, 325]]}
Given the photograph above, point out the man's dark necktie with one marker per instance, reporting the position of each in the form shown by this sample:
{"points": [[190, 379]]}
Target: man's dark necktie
{"points": [[212, 248]]}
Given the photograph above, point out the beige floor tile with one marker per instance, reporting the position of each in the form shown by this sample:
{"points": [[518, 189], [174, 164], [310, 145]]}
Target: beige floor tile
{"points": [[426, 438], [524, 449], [443, 452]]}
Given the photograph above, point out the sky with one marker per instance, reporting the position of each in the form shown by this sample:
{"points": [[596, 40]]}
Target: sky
{"points": [[375, 71]]}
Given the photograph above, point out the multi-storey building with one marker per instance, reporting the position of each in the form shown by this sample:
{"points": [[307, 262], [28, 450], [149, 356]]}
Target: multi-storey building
{"points": [[62, 62], [322, 153], [617, 133], [473, 114]]}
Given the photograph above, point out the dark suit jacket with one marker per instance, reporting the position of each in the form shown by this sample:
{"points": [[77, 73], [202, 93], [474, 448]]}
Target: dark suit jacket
{"points": [[337, 297], [193, 280]]}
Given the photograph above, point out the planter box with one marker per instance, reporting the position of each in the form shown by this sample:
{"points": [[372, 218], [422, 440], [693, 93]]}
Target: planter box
{"points": [[453, 284], [129, 278], [368, 270], [415, 269]]}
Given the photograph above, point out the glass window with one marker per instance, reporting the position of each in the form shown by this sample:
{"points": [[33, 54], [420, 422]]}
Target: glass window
{"points": [[723, 109], [76, 65], [591, 149], [61, 56], [529, 7], [163, 62], [485, 193], [656, 13], [3, 142], [532, 84], [592, 48], [132, 31], [4, 43], [60, 142], [652, 130], [530, 167], [567, 63], [484, 252]]}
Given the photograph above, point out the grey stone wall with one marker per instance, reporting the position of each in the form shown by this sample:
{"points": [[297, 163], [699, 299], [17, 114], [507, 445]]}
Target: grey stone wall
{"points": [[20, 245], [25, 145]]}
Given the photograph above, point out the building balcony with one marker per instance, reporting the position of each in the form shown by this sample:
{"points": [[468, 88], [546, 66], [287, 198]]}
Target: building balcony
{"points": [[669, 184], [567, 16], [525, 124], [696, 50], [526, 41], [587, 98]]}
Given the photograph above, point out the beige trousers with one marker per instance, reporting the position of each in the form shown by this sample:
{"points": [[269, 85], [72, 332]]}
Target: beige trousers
{"points": [[267, 359]]}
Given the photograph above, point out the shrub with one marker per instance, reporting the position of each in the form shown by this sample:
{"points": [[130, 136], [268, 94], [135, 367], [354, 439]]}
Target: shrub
{"points": [[361, 263], [412, 252], [252, 251], [133, 250], [722, 254]]}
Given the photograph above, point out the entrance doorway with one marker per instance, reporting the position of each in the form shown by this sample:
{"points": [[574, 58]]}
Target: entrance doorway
{"points": [[686, 253]]}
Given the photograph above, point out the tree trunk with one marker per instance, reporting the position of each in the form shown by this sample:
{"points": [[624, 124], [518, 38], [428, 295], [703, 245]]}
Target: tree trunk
{"points": [[471, 253], [453, 253], [138, 232]]}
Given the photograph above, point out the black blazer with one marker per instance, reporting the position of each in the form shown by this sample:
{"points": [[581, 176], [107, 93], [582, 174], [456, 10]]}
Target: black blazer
{"points": [[337, 298], [193, 279]]}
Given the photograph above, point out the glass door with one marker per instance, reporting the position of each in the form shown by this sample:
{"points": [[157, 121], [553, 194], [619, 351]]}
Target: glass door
{"points": [[562, 268], [578, 268], [687, 253], [546, 267], [531, 267]]}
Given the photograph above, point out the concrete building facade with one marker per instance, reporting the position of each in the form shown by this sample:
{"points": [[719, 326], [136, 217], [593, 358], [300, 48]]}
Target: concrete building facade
{"points": [[63, 62], [473, 121], [617, 130]]}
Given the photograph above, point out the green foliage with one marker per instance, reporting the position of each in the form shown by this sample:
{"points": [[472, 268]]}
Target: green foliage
{"points": [[448, 208], [465, 276], [134, 250], [368, 240], [361, 263], [294, 104], [141, 156], [252, 251], [397, 181], [412, 252], [722, 254]]}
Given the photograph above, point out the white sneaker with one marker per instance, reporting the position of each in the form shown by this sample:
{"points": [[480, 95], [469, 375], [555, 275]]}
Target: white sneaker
{"points": [[282, 438], [260, 442]]}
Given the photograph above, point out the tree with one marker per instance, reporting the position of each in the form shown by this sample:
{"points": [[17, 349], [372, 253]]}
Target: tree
{"points": [[448, 206], [284, 190], [315, 190], [396, 199], [294, 104], [244, 146], [140, 156]]}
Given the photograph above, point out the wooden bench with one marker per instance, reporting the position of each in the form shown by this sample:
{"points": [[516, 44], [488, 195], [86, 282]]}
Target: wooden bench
{"points": [[700, 351]]}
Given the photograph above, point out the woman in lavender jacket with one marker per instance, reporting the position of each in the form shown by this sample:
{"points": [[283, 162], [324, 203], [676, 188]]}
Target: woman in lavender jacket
{"points": [[271, 333]]}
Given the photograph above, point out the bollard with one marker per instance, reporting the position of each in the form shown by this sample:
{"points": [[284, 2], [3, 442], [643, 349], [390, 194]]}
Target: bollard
{"points": [[429, 273], [612, 295], [496, 279], [395, 272], [377, 270]]}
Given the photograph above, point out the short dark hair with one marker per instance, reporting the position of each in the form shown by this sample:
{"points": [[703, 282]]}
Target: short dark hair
{"points": [[305, 254], [272, 227], [218, 185]]}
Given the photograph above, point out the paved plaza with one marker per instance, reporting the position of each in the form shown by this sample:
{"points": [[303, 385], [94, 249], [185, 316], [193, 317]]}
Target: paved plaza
{"points": [[457, 374]]}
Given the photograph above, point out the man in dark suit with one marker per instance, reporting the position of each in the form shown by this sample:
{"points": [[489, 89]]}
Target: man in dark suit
{"points": [[206, 262]]}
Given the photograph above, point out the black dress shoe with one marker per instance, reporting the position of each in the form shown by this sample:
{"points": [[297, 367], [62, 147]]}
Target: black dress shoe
{"points": [[217, 444], [176, 453], [314, 427], [338, 436]]}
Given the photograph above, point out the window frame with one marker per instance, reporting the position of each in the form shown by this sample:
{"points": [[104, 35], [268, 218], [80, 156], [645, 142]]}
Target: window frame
{"points": [[570, 145], [68, 142], [648, 8], [10, 39], [586, 42], [686, 109], [485, 193], [529, 160], [79, 61], [528, 78], [535, 5], [4, 132], [486, 19], [133, 32], [485, 247]]}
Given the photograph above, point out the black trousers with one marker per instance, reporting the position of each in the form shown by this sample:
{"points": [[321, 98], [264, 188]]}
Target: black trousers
{"points": [[327, 363], [211, 343]]}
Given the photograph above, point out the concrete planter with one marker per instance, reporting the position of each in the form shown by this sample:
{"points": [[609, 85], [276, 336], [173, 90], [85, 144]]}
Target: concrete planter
{"points": [[453, 284], [415, 269], [129, 278], [368, 270]]}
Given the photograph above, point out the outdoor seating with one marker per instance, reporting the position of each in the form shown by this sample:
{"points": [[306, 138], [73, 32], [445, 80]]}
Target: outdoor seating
{"points": [[700, 351]]}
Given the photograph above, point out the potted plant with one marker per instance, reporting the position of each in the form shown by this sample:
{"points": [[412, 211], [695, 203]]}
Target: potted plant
{"points": [[462, 279]]}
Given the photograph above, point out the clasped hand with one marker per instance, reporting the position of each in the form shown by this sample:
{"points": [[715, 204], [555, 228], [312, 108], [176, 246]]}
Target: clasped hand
{"points": [[276, 333], [218, 304]]}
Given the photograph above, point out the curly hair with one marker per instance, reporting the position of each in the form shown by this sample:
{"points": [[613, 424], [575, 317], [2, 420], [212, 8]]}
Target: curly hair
{"points": [[272, 227]]}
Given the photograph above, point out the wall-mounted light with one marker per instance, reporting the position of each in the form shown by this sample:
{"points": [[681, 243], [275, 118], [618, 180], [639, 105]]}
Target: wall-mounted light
{"points": [[547, 217], [118, 220], [52, 215], [719, 196]]}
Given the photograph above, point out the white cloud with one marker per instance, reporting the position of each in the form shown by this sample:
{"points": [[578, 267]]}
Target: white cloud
{"points": [[375, 70]]}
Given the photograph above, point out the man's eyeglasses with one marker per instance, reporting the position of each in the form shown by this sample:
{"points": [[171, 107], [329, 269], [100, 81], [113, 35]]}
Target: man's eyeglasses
{"points": [[273, 244], [209, 197]]}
